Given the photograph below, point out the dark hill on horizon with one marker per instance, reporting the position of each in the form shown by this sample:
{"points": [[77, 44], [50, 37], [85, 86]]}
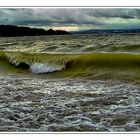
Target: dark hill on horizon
{"points": [[15, 31]]}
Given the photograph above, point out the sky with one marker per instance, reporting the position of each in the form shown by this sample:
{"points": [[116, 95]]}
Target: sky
{"points": [[72, 19]]}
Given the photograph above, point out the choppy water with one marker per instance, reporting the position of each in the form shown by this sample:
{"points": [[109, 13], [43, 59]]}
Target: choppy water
{"points": [[91, 92], [74, 43], [29, 104]]}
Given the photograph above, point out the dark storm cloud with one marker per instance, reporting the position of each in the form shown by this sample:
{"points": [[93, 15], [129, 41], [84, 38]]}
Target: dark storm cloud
{"points": [[114, 13], [77, 17]]}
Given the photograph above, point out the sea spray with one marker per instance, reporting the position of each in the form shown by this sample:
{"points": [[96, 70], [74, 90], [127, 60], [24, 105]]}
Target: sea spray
{"points": [[44, 68]]}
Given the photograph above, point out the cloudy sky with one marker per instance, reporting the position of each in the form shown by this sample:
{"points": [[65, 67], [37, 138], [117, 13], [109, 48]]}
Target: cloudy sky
{"points": [[72, 19]]}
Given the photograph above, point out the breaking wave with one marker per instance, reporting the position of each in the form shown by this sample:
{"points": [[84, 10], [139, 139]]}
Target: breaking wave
{"points": [[62, 65]]}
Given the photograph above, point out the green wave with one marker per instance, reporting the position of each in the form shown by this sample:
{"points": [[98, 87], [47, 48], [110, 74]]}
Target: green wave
{"points": [[89, 65]]}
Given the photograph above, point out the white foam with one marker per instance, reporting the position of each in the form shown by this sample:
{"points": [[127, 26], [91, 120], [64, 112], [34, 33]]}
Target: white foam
{"points": [[44, 68]]}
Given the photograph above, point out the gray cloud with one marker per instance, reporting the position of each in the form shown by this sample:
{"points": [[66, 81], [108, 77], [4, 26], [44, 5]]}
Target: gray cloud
{"points": [[93, 18]]}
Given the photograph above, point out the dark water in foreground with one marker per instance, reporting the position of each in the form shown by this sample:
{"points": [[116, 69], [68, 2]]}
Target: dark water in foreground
{"points": [[70, 83]]}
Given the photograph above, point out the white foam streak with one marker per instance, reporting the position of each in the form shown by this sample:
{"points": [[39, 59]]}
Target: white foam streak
{"points": [[44, 68]]}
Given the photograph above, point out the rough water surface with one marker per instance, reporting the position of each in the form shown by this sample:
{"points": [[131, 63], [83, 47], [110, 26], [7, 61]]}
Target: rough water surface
{"points": [[89, 83], [30, 104]]}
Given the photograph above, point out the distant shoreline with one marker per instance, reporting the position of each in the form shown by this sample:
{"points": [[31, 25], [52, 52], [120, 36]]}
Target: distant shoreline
{"points": [[107, 31], [17, 31]]}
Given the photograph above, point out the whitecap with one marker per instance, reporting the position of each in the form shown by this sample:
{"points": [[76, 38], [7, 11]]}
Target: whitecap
{"points": [[44, 68]]}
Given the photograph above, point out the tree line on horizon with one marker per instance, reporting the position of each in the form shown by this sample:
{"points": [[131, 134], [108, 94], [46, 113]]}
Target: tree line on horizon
{"points": [[15, 31]]}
